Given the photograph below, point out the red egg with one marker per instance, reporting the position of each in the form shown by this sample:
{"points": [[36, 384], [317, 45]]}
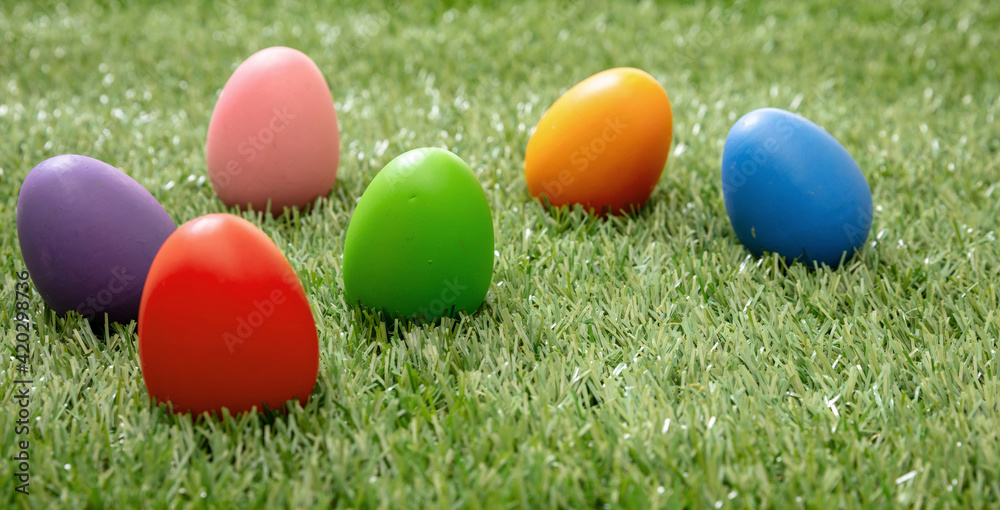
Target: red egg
{"points": [[274, 136], [224, 321]]}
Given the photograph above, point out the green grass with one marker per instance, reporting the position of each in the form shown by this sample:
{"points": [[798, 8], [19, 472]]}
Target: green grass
{"points": [[628, 362]]}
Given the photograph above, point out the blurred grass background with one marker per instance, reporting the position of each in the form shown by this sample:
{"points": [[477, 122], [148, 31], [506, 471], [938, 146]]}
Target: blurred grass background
{"points": [[642, 361]]}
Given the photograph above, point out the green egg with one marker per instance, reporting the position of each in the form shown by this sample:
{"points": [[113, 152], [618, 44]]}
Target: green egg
{"points": [[420, 242]]}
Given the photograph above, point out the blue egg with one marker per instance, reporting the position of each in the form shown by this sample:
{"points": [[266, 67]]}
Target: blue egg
{"points": [[792, 189]]}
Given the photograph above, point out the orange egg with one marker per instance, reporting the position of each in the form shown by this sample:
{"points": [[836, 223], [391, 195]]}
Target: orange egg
{"points": [[603, 144]]}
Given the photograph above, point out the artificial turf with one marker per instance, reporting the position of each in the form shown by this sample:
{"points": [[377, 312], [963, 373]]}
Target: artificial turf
{"points": [[633, 361]]}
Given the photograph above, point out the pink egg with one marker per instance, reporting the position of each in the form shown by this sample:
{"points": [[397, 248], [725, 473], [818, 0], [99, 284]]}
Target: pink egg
{"points": [[274, 135]]}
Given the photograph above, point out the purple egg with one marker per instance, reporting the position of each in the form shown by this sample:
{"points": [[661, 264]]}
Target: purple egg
{"points": [[88, 235]]}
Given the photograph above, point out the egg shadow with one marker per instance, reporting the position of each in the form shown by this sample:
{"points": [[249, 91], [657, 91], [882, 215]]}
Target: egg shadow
{"points": [[101, 328], [633, 211], [204, 425], [383, 327], [289, 215], [572, 216], [104, 328], [786, 267]]}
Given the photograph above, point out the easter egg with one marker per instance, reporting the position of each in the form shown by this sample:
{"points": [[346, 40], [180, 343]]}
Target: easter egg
{"points": [[603, 144], [88, 234], [420, 242], [790, 188], [273, 136], [225, 322]]}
